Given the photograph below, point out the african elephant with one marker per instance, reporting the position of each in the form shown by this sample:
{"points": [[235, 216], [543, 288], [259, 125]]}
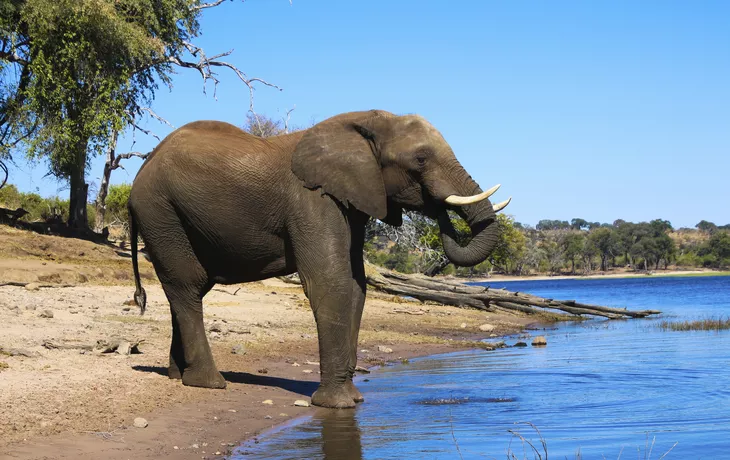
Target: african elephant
{"points": [[214, 204]]}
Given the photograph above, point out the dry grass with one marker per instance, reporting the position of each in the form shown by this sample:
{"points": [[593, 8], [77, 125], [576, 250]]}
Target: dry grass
{"points": [[707, 324]]}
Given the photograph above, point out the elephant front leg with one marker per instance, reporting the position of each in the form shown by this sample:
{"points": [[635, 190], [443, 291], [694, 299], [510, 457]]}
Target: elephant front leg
{"points": [[358, 303], [334, 317]]}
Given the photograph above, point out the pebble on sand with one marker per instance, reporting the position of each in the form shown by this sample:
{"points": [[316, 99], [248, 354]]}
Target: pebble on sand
{"points": [[486, 328], [384, 349], [46, 314], [139, 422], [268, 401], [301, 403]]}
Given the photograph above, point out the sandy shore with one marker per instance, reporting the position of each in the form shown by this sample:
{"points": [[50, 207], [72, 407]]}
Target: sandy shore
{"points": [[67, 402]]}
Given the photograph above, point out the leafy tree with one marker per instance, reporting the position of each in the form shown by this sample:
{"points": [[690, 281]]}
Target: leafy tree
{"points": [[718, 249], [87, 69], [578, 224], [573, 247], [547, 224], [510, 249], [706, 227], [606, 243], [590, 251]]}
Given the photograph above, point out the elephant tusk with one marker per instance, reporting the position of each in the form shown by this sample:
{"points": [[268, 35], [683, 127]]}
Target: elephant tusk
{"points": [[500, 206], [457, 200]]}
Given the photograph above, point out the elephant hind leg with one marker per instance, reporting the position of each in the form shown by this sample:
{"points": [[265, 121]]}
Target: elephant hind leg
{"points": [[185, 283]]}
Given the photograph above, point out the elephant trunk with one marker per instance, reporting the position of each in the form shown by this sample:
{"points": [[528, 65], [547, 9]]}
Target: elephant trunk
{"points": [[481, 217]]}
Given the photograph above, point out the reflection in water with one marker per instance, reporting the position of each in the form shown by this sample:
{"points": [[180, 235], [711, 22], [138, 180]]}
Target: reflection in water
{"points": [[329, 435], [340, 434]]}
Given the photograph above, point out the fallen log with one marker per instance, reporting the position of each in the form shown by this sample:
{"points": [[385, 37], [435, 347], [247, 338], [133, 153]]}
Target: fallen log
{"points": [[484, 298]]}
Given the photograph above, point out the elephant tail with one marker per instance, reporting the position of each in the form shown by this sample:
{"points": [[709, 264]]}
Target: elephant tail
{"points": [[140, 296]]}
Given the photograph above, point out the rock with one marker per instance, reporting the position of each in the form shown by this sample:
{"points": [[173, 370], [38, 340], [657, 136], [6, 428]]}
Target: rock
{"points": [[301, 403], [126, 308], [195, 446], [463, 325], [32, 287], [539, 341], [295, 364], [239, 350], [520, 344], [46, 314], [139, 422], [364, 351], [283, 415], [124, 348], [232, 410], [268, 401], [263, 371], [268, 417], [486, 328], [307, 371], [384, 349], [29, 307], [129, 302]]}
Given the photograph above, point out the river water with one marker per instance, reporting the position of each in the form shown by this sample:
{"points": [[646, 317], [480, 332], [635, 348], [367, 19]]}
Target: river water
{"points": [[600, 389]]}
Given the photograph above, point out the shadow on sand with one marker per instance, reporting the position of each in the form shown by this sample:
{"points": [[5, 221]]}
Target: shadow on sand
{"points": [[303, 388]]}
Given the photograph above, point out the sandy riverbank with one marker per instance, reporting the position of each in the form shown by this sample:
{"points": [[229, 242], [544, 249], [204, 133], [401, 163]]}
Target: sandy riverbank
{"points": [[63, 404]]}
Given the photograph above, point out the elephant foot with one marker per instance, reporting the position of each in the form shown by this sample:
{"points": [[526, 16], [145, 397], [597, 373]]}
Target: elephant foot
{"points": [[338, 397], [354, 392], [204, 378], [173, 372]]}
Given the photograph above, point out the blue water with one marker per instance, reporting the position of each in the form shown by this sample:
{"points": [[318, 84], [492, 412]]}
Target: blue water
{"points": [[600, 389]]}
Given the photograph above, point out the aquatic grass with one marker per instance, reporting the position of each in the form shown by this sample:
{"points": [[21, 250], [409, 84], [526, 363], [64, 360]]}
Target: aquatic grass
{"points": [[706, 324], [538, 453]]}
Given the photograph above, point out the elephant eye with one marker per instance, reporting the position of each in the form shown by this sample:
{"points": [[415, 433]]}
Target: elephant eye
{"points": [[421, 159]]}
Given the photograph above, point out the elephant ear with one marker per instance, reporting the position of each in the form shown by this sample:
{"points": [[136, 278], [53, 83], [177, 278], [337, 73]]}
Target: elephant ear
{"points": [[338, 156]]}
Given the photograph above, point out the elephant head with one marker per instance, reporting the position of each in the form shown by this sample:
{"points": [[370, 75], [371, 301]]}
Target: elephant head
{"points": [[381, 163]]}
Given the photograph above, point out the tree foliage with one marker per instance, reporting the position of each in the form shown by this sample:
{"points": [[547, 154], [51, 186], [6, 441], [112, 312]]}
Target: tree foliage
{"points": [[76, 72]]}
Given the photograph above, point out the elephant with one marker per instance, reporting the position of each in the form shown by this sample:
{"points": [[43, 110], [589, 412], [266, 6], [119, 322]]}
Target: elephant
{"points": [[214, 204]]}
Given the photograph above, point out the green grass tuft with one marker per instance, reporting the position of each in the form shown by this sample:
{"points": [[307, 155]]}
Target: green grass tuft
{"points": [[707, 324]]}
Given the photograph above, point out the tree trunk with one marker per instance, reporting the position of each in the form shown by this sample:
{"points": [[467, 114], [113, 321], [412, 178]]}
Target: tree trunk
{"points": [[77, 218], [104, 186]]}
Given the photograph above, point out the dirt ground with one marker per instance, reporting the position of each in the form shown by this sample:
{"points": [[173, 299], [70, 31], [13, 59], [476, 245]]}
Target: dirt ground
{"points": [[61, 397]]}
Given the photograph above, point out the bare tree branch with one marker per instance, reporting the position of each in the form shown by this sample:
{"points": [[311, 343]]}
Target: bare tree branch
{"points": [[205, 64], [203, 6], [154, 115], [286, 119], [126, 156], [5, 170]]}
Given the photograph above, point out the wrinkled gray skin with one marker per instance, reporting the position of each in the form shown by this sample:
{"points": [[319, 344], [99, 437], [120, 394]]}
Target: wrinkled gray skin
{"points": [[214, 204]]}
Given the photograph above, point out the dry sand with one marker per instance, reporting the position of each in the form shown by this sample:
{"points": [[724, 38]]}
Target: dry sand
{"points": [[63, 404]]}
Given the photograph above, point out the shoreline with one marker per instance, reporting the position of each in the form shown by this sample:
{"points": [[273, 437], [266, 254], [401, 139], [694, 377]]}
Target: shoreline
{"points": [[598, 276]]}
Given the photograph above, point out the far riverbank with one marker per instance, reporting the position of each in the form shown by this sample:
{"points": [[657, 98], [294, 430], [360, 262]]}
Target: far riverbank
{"points": [[601, 275]]}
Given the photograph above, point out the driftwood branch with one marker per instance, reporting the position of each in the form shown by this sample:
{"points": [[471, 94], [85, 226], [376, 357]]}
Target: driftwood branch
{"points": [[484, 298]]}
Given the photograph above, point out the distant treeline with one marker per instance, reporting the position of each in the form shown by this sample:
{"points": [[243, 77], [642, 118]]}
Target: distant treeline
{"points": [[551, 246], [556, 246]]}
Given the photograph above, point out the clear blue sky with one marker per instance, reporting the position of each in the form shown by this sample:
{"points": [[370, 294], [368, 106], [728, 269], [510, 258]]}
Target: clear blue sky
{"points": [[599, 110]]}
